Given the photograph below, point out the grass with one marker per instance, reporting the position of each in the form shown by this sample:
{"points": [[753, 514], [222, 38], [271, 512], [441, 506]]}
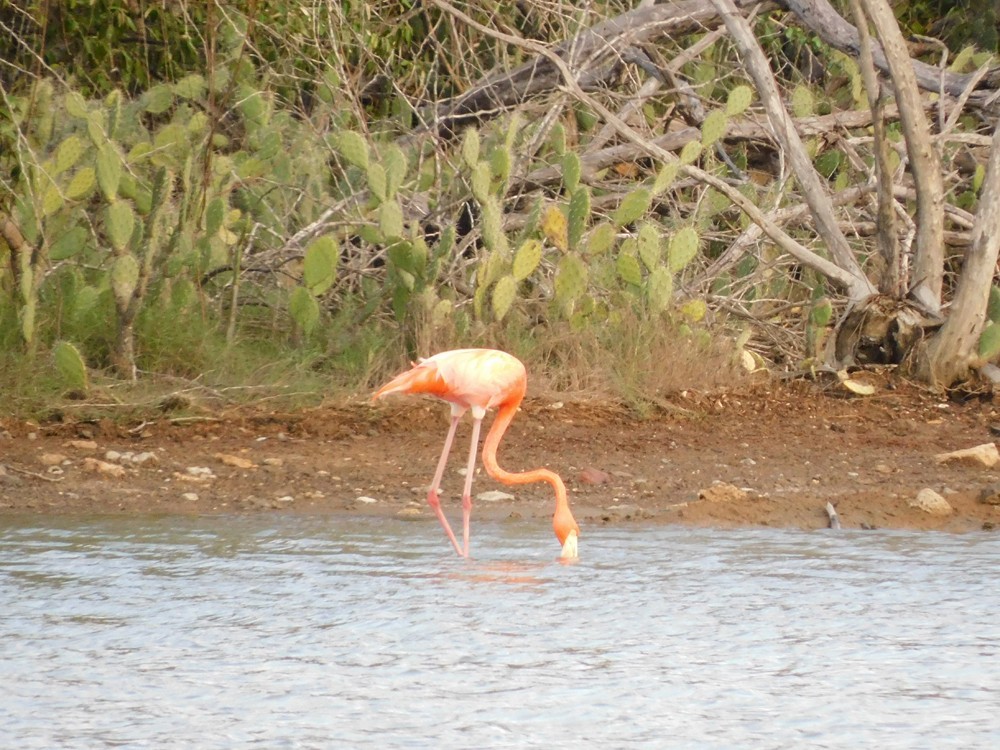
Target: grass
{"points": [[187, 365]]}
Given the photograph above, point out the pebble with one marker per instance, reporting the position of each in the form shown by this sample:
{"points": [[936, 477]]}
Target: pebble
{"points": [[493, 496], [365, 499], [235, 461], [931, 502], [96, 466], [591, 475], [80, 445]]}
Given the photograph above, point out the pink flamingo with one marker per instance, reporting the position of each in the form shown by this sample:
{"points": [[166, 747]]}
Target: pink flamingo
{"points": [[477, 380]]}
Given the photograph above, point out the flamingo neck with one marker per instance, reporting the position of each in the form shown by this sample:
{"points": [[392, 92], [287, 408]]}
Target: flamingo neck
{"points": [[563, 518]]}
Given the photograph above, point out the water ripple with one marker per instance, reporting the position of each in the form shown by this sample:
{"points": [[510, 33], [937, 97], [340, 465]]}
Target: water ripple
{"points": [[316, 632]]}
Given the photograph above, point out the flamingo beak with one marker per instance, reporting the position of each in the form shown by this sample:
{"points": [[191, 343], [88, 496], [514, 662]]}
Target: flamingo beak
{"points": [[570, 549]]}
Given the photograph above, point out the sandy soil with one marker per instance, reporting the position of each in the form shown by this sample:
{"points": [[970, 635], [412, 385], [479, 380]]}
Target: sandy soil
{"points": [[772, 456]]}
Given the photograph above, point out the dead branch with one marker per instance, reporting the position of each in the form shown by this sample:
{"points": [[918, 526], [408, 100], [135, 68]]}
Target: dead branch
{"points": [[597, 53], [788, 137], [928, 265], [893, 277], [821, 18]]}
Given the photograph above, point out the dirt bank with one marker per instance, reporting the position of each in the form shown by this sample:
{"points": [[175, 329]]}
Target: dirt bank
{"points": [[786, 451]]}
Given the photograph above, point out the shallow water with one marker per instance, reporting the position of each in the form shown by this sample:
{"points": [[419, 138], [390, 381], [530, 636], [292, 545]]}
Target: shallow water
{"points": [[278, 631]]}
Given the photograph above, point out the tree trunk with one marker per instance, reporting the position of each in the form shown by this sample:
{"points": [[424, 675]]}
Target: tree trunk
{"points": [[928, 265], [953, 351]]}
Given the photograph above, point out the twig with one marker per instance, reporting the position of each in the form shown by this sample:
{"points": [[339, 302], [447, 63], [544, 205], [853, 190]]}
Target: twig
{"points": [[33, 474]]}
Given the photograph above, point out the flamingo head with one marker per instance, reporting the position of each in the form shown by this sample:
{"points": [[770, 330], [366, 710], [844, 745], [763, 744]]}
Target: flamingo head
{"points": [[567, 532]]}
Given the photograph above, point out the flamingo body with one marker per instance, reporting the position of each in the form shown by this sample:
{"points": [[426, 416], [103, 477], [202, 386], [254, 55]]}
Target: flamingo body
{"points": [[465, 378], [479, 380]]}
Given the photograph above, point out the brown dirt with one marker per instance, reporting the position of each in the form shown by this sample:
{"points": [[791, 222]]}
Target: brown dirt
{"points": [[792, 448]]}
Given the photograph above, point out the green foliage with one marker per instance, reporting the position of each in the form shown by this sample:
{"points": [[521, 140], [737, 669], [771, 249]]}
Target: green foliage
{"points": [[802, 103], [993, 305], [571, 280], [633, 206], [660, 289], [989, 341], [504, 293], [571, 168], [304, 309], [319, 269], [683, 248], [579, 216], [470, 148], [526, 260], [738, 100], [353, 147], [174, 201], [690, 152], [69, 362], [714, 127]]}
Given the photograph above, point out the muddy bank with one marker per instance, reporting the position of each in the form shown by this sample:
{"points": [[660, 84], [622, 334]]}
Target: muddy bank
{"points": [[767, 457]]}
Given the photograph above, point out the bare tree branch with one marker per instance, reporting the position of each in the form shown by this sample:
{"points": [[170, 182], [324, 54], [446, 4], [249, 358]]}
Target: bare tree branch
{"points": [[928, 265], [892, 280], [784, 130]]}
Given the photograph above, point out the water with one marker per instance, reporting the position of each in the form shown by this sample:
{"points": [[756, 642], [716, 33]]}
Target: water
{"points": [[319, 632]]}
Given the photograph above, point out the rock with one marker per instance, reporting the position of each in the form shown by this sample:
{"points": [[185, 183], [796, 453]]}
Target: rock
{"points": [[590, 475], [96, 466], [981, 455], [235, 461], [275, 462], [51, 459], [723, 493], [191, 497], [493, 496], [81, 445], [128, 457], [195, 474], [990, 494], [931, 502], [365, 499]]}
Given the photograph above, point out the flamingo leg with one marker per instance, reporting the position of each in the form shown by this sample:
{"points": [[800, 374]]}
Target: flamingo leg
{"points": [[470, 471], [433, 499]]}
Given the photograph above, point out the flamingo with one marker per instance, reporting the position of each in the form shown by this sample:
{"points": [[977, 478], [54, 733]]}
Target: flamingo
{"points": [[477, 380]]}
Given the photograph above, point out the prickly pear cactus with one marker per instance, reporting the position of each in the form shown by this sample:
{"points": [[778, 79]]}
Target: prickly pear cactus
{"points": [[69, 362], [579, 216], [526, 259], [571, 281]]}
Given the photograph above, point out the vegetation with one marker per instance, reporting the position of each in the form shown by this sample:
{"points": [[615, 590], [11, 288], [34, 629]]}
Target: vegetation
{"points": [[232, 194]]}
